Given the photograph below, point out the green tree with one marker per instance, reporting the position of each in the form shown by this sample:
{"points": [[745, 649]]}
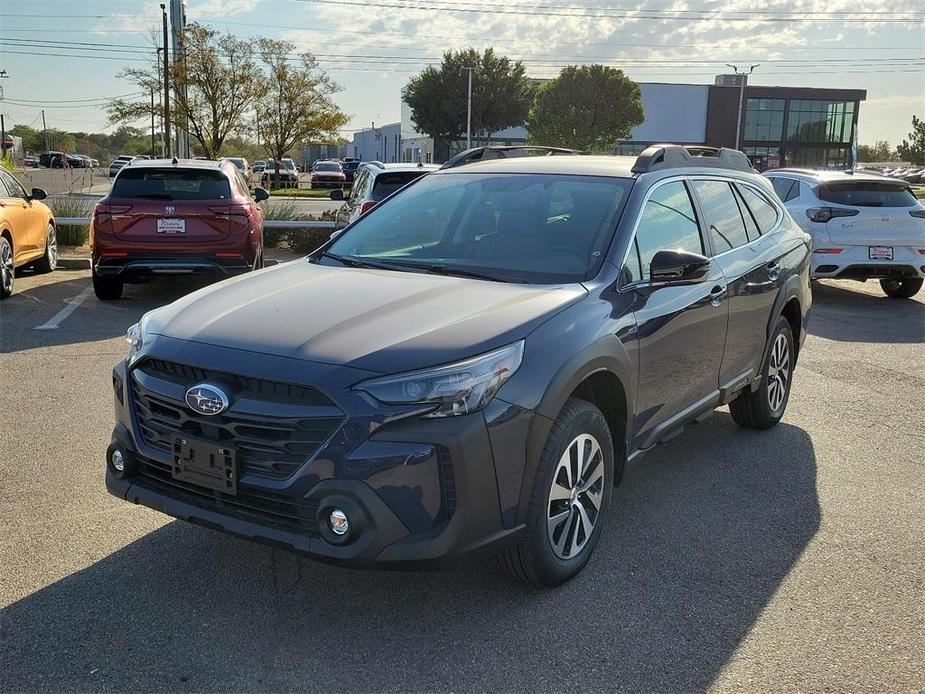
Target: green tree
{"points": [[297, 105], [438, 97], [879, 151], [32, 140], [214, 88], [587, 107], [913, 149]]}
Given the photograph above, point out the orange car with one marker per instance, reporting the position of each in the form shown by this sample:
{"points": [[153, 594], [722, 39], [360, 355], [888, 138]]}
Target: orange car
{"points": [[27, 232]]}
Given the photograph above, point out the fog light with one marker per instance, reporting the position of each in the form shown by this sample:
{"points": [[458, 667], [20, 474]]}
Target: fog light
{"points": [[118, 462], [339, 523]]}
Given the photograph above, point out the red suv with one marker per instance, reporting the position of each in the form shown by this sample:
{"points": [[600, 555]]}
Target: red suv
{"points": [[169, 217]]}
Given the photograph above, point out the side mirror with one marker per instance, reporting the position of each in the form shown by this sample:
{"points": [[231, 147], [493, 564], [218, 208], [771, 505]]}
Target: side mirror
{"points": [[337, 194], [38, 194], [261, 194], [678, 266]]}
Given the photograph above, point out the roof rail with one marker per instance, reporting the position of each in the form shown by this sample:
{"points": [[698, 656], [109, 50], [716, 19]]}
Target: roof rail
{"points": [[659, 157], [500, 152]]}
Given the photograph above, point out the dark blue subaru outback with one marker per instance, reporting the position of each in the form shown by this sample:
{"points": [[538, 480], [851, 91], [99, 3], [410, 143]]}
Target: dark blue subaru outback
{"points": [[469, 366]]}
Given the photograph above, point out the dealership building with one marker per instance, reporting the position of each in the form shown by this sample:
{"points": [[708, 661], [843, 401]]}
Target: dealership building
{"points": [[779, 126]]}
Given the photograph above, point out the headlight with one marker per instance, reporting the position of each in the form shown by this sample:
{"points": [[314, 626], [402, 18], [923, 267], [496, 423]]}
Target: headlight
{"points": [[459, 388], [135, 336]]}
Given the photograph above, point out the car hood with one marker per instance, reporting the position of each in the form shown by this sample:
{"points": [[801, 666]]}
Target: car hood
{"points": [[379, 320]]}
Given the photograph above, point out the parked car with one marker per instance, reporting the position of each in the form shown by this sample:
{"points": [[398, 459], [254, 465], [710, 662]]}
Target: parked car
{"points": [[279, 177], [240, 163], [468, 367], [30, 162], [59, 160], [116, 164], [863, 226], [349, 166], [75, 161], [327, 174], [374, 183], [27, 232], [258, 166], [163, 218], [45, 158]]}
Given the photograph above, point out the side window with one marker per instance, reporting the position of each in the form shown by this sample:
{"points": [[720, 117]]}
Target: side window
{"points": [[786, 188], [762, 210], [359, 184], [632, 270], [4, 188], [719, 205], [12, 187], [668, 222], [751, 226]]}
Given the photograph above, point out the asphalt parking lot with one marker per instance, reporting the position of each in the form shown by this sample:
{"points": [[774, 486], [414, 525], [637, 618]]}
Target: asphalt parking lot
{"points": [[787, 560]]}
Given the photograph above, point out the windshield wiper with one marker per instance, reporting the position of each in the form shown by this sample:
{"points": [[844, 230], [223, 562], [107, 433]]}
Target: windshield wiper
{"points": [[440, 269], [353, 262]]}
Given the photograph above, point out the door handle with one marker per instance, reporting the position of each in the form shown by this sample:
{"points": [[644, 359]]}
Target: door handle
{"points": [[773, 270], [717, 294]]}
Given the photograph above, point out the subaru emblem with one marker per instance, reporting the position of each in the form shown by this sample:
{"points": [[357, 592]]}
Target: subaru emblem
{"points": [[207, 399], [170, 209]]}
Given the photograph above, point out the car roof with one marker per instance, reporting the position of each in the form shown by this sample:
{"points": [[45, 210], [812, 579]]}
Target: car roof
{"points": [[378, 167], [830, 176], [589, 165], [178, 163]]}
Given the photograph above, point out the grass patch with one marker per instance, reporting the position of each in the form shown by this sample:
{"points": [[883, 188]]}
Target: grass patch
{"points": [[71, 206], [324, 193], [919, 191]]}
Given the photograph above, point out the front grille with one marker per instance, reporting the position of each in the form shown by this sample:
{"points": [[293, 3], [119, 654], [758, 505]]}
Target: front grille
{"points": [[256, 506], [273, 447]]}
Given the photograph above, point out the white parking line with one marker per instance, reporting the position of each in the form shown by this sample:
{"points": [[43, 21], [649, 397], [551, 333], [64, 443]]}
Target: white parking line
{"points": [[66, 311]]}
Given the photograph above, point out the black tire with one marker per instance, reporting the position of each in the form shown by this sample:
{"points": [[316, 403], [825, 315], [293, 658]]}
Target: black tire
{"points": [[7, 268], [753, 409], [534, 560], [107, 288], [49, 261], [901, 289]]}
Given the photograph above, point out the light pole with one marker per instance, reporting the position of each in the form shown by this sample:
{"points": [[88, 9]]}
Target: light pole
{"points": [[166, 86], [742, 83], [469, 110]]}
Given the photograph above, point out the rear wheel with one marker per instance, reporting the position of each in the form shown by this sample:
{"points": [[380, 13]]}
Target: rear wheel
{"points": [[901, 289], [7, 268], [764, 407], [571, 493], [107, 288], [49, 261]]}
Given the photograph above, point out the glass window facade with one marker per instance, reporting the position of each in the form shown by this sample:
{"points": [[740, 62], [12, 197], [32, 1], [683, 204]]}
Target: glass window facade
{"points": [[819, 121], [764, 120]]}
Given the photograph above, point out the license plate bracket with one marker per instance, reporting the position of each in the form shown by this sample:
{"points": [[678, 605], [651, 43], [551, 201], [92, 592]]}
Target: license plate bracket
{"points": [[171, 225], [880, 252], [205, 464]]}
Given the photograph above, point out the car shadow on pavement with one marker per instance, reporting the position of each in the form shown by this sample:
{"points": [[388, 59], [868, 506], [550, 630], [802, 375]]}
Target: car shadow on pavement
{"points": [[704, 530], [841, 313]]}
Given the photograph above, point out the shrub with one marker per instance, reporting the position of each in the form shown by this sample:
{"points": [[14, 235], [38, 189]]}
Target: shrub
{"points": [[307, 240], [277, 210], [71, 206]]}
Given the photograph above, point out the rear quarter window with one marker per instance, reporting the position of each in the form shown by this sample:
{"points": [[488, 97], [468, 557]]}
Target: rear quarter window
{"points": [[387, 183], [172, 184], [866, 194]]}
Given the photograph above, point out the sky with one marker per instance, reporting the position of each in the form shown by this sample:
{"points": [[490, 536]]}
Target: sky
{"points": [[65, 55]]}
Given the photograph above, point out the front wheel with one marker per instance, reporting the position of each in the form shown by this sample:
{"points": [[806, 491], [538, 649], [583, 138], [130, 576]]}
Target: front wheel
{"points": [[49, 261], [901, 289], [571, 495], [764, 407], [7, 268]]}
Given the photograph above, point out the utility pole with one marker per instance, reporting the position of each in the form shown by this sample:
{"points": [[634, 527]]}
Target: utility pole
{"points": [[153, 151], [743, 81], [178, 33], [45, 130], [166, 86], [469, 110]]}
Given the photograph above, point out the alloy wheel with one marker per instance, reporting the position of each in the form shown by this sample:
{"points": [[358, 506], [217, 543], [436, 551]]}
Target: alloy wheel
{"points": [[778, 372], [51, 248], [575, 499], [7, 271]]}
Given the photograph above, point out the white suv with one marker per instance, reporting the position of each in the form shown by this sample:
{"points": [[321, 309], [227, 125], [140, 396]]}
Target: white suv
{"points": [[864, 226]]}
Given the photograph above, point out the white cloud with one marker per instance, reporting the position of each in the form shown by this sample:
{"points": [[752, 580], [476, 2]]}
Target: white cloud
{"points": [[218, 8]]}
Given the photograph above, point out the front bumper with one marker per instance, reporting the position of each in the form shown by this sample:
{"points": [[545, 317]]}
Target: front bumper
{"points": [[854, 262], [416, 491]]}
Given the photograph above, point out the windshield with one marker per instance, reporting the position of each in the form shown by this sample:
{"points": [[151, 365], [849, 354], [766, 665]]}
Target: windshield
{"points": [[327, 166], [868, 194], [539, 228], [171, 184]]}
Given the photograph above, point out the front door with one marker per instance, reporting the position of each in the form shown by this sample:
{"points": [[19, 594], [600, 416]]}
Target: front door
{"points": [[681, 327]]}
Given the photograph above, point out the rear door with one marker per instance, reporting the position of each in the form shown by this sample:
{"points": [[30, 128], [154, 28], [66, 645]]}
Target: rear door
{"points": [[26, 223], [176, 205], [681, 327], [741, 220]]}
